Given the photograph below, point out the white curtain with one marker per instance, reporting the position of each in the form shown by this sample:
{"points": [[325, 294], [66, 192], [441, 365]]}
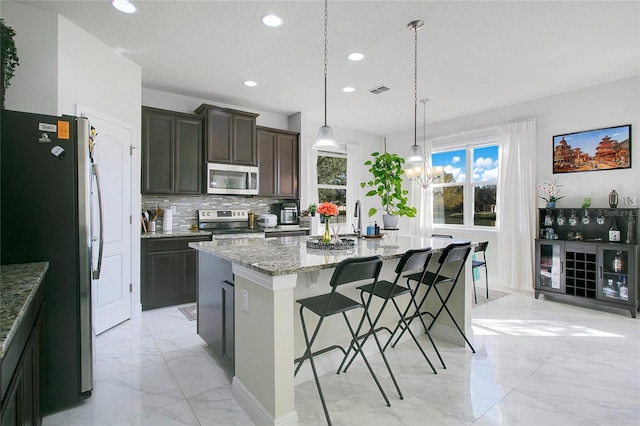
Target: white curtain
{"points": [[310, 177], [354, 177], [516, 203]]}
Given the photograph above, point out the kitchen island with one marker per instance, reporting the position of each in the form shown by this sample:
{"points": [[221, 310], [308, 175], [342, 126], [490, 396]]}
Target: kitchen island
{"points": [[270, 274]]}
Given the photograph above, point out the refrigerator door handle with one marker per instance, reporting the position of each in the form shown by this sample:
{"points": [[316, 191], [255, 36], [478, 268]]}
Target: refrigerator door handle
{"points": [[95, 273]]}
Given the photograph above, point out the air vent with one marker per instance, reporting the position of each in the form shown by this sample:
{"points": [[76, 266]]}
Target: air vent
{"points": [[379, 89]]}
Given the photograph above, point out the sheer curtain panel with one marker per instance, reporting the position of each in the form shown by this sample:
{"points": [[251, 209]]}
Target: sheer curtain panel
{"points": [[516, 203], [354, 177]]}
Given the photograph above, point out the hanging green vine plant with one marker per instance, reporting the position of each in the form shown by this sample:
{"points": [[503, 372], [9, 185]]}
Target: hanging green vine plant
{"points": [[8, 56]]}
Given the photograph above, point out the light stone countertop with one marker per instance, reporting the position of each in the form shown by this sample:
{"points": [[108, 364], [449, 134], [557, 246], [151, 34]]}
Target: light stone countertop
{"points": [[290, 255], [287, 228], [174, 234], [20, 283]]}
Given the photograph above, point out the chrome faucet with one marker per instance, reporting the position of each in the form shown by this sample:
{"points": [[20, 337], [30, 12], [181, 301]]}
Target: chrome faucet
{"points": [[358, 214]]}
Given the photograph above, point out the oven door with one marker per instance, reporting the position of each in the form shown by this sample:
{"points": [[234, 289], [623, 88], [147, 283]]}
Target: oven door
{"points": [[230, 179]]}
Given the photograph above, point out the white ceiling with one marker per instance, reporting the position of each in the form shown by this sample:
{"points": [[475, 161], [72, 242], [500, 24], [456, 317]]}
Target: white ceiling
{"points": [[473, 55]]}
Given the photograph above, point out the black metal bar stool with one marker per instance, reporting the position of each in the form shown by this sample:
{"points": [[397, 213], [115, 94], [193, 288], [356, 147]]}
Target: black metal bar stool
{"points": [[453, 253], [476, 263], [326, 305], [413, 261]]}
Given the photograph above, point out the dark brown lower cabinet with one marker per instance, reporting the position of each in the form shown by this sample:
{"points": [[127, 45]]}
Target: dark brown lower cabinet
{"points": [[169, 271], [21, 374], [216, 306]]}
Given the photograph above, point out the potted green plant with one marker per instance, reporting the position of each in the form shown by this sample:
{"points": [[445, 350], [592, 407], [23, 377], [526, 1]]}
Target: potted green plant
{"points": [[312, 209], [387, 184], [8, 57]]}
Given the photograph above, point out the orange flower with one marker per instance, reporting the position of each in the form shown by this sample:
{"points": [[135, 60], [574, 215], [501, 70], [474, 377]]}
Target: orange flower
{"points": [[327, 209]]}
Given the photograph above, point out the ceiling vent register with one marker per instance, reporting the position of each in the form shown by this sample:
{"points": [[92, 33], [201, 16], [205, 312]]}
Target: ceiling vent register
{"points": [[379, 89]]}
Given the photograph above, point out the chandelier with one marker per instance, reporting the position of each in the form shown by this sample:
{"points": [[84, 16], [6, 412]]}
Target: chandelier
{"points": [[419, 170]]}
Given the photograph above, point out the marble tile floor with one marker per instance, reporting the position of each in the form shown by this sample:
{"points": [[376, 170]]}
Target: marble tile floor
{"points": [[538, 363]]}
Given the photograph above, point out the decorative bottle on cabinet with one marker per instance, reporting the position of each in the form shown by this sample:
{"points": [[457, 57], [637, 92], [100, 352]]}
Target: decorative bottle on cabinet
{"points": [[629, 239], [613, 199], [614, 233]]}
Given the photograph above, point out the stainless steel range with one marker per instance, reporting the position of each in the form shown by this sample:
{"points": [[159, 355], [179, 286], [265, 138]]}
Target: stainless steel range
{"points": [[231, 223]]}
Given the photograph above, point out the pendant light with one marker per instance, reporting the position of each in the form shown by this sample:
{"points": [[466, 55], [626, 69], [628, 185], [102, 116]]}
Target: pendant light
{"points": [[325, 140], [419, 170], [416, 156]]}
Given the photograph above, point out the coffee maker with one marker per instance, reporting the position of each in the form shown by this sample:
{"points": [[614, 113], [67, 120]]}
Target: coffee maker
{"points": [[288, 214]]}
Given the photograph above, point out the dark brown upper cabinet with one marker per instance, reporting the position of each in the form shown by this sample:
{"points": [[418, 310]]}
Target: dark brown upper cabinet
{"points": [[230, 135], [171, 152], [278, 163]]}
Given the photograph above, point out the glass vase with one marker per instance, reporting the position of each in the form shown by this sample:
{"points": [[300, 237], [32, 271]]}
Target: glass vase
{"points": [[326, 237]]}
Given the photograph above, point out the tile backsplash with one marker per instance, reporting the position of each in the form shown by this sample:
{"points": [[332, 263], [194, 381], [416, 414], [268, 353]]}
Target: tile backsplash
{"points": [[186, 215]]}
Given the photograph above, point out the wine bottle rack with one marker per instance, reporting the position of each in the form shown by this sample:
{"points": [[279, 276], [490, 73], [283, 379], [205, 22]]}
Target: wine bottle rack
{"points": [[581, 274], [578, 262]]}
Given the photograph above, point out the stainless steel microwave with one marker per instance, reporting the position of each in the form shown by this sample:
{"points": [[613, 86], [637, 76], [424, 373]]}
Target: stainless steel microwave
{"points": [[231, 179]]}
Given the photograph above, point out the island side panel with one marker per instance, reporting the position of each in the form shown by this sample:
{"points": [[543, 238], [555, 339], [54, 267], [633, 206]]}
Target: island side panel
{"points": [[264, 346], [459, 304]]}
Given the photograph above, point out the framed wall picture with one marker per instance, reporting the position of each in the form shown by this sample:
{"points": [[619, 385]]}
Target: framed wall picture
{"points": [[592, 150]]}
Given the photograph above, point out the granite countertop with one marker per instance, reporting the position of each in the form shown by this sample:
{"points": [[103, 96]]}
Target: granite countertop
{"points": [[287, 228], [290, 255], [174, 234], [20, 283]]}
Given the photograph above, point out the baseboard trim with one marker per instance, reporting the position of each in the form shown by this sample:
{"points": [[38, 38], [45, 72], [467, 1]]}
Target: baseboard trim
{"points": [[256, 411]]}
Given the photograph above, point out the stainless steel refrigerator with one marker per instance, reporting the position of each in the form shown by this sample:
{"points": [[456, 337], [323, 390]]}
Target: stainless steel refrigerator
{"points": [[49, 191]]}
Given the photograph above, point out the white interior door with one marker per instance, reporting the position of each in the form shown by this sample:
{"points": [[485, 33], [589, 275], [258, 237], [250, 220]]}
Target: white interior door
{"points": [[111, 293]]}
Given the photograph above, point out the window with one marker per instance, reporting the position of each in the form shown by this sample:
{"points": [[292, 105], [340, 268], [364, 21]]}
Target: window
{"points": [[466, 194], [332, 181]]}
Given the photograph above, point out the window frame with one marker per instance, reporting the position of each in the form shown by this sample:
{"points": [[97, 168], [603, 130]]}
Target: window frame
{"points": [[468, 186], [345, 187]]}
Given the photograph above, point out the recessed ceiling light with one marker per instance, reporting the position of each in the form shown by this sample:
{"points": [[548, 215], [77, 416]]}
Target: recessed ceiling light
{"points": [[355, 56], [271, 20], [124, 6], [249, 83], [348, 89]]}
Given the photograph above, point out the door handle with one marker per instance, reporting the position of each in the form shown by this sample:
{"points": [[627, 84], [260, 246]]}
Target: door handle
{"points": [[95, 273]]}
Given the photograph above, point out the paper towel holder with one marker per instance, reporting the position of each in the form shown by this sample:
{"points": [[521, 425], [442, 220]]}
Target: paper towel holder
{"points": [[167, 220]]}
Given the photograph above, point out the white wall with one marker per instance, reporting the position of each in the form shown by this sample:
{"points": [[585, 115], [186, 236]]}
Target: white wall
{"points": [[62, 66], [92, 74], [34, 87], [604, 105], [594, 107]]}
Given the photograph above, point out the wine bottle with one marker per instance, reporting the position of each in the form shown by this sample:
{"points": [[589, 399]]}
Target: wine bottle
{"points": [[614, 232], [617, 262]]}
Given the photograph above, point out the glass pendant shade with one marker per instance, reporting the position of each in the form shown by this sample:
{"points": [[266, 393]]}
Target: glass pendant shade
{"points": [[415, 155], [325, 140]]}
